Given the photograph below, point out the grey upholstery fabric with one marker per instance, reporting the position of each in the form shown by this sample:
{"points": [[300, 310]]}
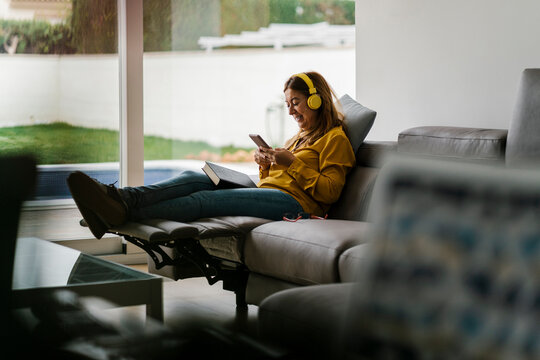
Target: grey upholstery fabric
{"points": [[226, 225], [523, 147], [259, 287], [411, 299], [305, 252], [224, 236], [358, 119], [351, 262], [157, 230], [463, 144], [354, 200], [373, 153], [308, 319]]}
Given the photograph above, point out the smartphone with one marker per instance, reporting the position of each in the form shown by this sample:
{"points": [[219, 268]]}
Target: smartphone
{"points": [[257, 139]]}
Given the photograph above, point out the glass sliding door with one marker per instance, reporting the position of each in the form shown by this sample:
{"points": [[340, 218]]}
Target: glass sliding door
{"points": [[59, 92], [59, 100], [214, 72]]}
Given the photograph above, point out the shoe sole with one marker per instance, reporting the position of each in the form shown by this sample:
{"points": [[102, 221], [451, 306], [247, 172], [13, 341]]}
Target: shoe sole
{"points": [[94, 223], [94, 201]]}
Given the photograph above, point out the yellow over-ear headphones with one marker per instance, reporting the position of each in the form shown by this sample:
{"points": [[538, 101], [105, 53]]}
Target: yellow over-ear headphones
{"points": [[314, 100]]}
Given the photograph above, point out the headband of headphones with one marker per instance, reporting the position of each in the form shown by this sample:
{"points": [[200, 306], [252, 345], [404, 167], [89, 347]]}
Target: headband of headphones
{"points": [[314, 100]]}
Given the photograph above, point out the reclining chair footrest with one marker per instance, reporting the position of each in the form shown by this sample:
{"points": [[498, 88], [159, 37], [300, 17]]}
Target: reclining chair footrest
{"points": [[154, 236], [153, 250], [191, 251]]}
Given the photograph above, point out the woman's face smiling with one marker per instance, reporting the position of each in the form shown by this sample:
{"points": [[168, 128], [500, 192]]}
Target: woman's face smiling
{"points": [[299, 110]]}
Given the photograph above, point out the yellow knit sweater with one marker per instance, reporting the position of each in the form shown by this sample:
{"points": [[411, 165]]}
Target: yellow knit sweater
{"points": [[317, 175]]}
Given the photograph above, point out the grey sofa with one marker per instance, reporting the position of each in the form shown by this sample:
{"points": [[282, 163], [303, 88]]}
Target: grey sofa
{"points": [[452, 273], [282, 255], [256, 257], [413, 296]]}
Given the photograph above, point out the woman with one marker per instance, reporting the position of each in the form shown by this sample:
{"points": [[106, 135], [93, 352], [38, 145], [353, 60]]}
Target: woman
{"points": [[306, 175]]}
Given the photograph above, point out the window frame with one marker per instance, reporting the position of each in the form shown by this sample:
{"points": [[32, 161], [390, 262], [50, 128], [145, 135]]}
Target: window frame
{"points": [[130, 53]]}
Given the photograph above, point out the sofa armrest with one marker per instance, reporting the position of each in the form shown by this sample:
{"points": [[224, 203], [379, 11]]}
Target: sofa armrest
{"points": [[352, 261]]}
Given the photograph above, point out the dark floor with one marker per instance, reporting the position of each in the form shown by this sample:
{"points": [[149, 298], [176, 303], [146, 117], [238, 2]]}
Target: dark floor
{"points": [[194, 300]]}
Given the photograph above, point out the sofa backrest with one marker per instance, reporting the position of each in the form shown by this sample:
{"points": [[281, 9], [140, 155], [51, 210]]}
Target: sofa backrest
{"points": [[481, 146], [486, 146], [354, 200], [517, 147], [523, 148]]}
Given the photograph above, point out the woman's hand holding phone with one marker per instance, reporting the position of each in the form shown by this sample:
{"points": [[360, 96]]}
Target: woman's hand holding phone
{"points": [[265, 155], [261, 156], [262, 159]]}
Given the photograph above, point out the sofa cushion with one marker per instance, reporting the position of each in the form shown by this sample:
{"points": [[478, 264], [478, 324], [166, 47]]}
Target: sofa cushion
{"points": [[305, 252], [358, 120], [457, 143], [352, 261], [307, 319]]}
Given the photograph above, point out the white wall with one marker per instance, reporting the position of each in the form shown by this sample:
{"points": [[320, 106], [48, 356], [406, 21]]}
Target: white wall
{"points": [[440, 62], [217, 97], [88, 92], [28, 89], [222, 96]]}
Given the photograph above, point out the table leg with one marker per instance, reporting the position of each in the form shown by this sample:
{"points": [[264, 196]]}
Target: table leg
{"points": [[154, 308]]}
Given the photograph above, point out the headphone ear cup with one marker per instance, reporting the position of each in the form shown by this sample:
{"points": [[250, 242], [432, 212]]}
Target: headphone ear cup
{"points": [[314, 102]]}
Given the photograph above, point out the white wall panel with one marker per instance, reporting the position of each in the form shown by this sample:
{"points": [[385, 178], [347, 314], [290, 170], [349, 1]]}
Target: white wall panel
{"points": [[439, 62], [218, 97]]}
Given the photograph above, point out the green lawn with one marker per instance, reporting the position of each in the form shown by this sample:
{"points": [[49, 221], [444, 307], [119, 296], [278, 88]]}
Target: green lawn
{"points": [[61, 143]]}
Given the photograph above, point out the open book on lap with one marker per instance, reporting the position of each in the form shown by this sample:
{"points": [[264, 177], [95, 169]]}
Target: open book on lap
{"points": [[227, 178]]}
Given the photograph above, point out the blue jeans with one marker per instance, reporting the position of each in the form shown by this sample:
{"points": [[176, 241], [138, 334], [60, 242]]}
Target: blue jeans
{"points": [[192, 195]]}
